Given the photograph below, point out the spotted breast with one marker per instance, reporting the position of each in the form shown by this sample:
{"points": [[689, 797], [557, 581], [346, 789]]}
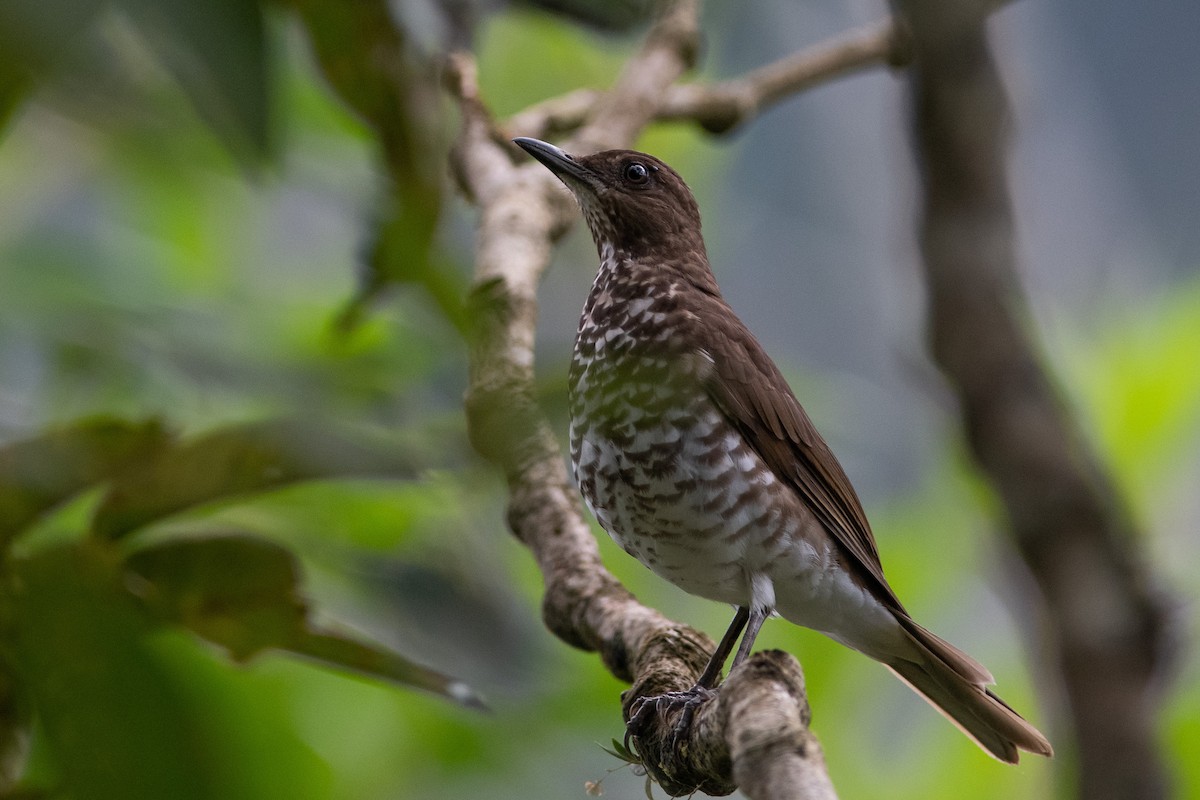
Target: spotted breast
{"points": [[656, 461]]}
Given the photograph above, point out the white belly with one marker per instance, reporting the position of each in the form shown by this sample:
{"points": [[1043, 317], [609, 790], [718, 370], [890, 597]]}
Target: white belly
{"points": [[680, 489]]}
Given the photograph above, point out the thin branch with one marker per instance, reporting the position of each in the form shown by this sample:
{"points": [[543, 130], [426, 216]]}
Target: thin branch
{"points": [[1106, 618], [481, 163], [554, 117], [624, 111], [721, 107]]}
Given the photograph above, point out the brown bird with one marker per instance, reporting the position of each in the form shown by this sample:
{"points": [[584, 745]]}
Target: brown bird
{"points": [[693, 453]]}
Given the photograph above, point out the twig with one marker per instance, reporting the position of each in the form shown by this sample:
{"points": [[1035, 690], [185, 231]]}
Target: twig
{"points": [[620, 114], [721, 107], [555, 117]]}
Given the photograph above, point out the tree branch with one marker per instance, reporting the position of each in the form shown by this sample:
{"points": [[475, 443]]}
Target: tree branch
{"points": [[774, 753], [757, 729], [1108, 623], [721, 107]]}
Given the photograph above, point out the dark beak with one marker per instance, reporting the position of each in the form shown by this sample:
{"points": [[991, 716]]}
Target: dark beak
{"points": [[555, 160]]}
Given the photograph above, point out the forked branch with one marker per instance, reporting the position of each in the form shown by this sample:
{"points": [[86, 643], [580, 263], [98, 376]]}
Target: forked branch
{"points": [[722, 106]]}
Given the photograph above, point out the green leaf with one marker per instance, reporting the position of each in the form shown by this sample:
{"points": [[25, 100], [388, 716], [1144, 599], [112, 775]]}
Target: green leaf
{"points": [[36, 37], [243, 593], [620, 751], [237, 591], [115, 721], [235, 461], [217, 51], [396, 92], [39, 473], [340, 650], [402, 252]]}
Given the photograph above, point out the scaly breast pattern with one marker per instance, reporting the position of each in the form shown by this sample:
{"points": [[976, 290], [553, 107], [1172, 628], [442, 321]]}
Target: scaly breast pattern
{"points": [[663, 471]]}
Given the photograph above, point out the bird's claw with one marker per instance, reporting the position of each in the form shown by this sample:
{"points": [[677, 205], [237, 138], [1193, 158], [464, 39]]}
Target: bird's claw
{"points": [[646, 708]]}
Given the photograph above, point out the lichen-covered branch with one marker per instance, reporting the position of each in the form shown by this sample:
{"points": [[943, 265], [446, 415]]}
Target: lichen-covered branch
{"points": [[1106, 621], [756, 730], [774, 753]]}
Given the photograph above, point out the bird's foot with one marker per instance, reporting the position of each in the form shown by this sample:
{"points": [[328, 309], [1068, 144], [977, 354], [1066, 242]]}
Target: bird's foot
{"points": [[646, 708]]}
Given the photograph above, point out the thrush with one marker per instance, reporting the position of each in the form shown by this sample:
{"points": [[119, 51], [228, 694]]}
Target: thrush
{"points": [[693, 453]]}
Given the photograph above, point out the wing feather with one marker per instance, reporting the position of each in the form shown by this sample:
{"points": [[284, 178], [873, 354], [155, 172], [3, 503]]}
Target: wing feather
{"points": [[751, 392]]}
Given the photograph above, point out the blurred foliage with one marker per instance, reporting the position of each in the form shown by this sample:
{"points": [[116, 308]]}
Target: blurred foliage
{"points": [[185, 190], [77, 613], [214, 50]]}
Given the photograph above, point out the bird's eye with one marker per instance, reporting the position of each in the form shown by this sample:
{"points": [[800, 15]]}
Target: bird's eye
{"points": [[636, 172]]}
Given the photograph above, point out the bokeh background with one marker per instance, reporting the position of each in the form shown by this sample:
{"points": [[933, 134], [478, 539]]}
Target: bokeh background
{"points": [[158, 260]]}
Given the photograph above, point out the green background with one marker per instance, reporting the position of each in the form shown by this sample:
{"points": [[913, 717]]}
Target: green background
{"points": [[157, 264]]}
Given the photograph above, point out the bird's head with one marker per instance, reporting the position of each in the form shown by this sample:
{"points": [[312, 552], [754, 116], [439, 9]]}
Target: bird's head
{"points": [[631, 201]]}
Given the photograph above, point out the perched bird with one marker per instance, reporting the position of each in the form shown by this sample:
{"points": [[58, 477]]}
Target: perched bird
{"points": [[692, 452]]}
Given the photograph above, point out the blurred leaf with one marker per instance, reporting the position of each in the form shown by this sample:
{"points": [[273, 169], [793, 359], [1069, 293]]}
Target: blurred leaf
{"points": [[118, 727], [36, 37], [340, 650], [242, 593], [402, 252], [235, 461], [217, 51], [396, 93], [251, 720], [370, 515], [378, 89], [39, 473]]}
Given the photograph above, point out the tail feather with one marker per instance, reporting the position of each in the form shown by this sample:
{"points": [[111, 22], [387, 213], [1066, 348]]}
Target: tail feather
{"points": [[954, 684]]}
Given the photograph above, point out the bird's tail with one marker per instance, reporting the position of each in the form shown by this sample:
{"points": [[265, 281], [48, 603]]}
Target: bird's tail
{"points": [[956, 684]]}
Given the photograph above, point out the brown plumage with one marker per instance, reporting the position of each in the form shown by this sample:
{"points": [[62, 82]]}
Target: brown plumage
{"points": [[693, 453]]}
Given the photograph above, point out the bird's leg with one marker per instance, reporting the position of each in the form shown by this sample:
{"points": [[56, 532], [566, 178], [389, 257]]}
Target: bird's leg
{"points": [[700, 693], [712, 672], [757, 616]]}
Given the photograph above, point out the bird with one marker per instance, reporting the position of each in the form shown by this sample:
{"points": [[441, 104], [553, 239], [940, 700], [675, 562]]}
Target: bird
{"points": [[693, 453]]}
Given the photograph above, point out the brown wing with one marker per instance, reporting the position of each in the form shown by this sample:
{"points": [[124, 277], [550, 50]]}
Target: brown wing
{"points": [[749, 389]]}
